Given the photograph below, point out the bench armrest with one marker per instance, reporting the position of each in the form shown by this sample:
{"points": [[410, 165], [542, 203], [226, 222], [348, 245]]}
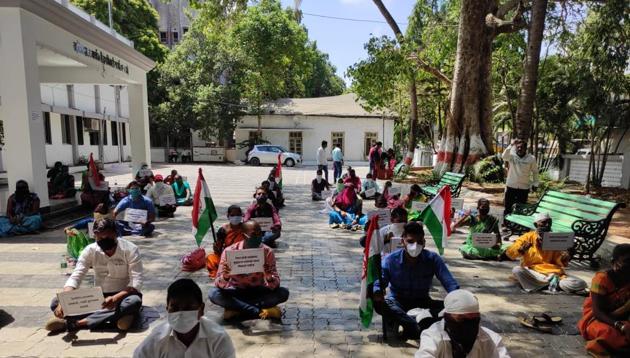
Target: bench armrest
{"points": [[588, 227], [524, 209]]}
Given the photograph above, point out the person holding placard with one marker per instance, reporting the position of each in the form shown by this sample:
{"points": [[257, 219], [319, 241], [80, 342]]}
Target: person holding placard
{"points": [[605, 322], [415, 194], [117, 271], [251, 295], [186, 332], [261, 208], [391, 235], [540, 267], [408, 276], [345, 209], [369, 188], [183, 193], [484, 223], [22, 215], [163, 197], [229, 234], [318, 185], [143, 209]]}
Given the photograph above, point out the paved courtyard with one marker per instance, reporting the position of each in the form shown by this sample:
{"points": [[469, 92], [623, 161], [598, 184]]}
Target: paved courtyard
{"points": [[321, 268]]}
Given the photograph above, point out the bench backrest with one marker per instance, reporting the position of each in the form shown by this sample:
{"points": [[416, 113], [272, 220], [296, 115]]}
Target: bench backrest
{"points": [[451, 179], [567, 208]]}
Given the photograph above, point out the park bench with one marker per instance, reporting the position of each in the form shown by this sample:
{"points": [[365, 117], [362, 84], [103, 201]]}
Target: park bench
{"points": [[586, 217], [454, 180]]}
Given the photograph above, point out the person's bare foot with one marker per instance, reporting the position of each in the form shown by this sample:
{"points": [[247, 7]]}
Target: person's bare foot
{"points": [[125, 322], [270, 313]]}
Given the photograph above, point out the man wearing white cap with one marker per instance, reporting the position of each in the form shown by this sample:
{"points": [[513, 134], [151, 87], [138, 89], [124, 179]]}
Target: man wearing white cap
{"points": [[459, 333], [540, 267]]}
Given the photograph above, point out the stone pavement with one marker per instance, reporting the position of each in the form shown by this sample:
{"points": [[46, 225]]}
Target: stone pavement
{"points": [[321, 267]]}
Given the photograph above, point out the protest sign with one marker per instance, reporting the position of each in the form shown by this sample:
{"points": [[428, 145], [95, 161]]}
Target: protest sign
{"points": [[557, 241], [91, 229], [143, 173], [393, 191], [457, 203], [370, 193], [384, 216], [81, 301], [265, 223], [167, 199], [418, 205], [483, 240], [245, 261], [135, 215], [395, 244]]}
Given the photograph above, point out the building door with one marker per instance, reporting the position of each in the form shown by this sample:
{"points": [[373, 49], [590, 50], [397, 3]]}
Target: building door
{"points": [[370, 139], [337, 140], [295, 142]]}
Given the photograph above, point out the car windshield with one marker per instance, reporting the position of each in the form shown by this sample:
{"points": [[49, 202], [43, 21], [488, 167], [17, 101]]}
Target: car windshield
{"points": [[282, 149]]}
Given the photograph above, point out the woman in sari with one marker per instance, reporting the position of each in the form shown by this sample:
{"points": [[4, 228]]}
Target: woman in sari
{"points": [[391, 164], [229, 234], [605, 322], [481, 222], [346, 211], [22, 212]]}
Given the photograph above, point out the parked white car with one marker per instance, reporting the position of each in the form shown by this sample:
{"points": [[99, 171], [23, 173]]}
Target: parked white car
{"points": [[268, 154]]}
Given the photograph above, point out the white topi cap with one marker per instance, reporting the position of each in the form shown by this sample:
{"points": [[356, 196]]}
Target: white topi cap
{"points": [[461, 302], [541, 216]]}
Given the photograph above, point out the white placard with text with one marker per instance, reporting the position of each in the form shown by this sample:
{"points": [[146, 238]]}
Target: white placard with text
{"points": [[393, 191], [384, 216], [484, 240], [136, 215], [557, 241], [91, 229], [457, 203], [370, 193], [245, 261], [81, 301], [395, 244], [167, 199], [265, 223]]}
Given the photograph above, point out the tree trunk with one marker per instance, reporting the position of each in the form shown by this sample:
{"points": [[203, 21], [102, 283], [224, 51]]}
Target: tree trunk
{"points": [[530, 70], [469, 130], [413, 120]]}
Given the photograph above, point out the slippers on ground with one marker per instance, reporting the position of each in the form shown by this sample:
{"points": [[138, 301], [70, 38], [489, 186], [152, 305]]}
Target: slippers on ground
{"points": [[533, 324], [548, 319]]}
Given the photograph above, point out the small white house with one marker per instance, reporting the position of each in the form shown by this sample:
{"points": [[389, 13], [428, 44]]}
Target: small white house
{"points": [[301, 124]]}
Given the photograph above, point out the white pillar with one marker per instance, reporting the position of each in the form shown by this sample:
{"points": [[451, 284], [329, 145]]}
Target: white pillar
{"points": [[139, 125], [20, 106]]}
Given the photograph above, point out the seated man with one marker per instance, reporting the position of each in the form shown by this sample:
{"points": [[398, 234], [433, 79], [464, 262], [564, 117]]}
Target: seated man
{"points": [[480, 222], [369, 184], [135, 200], [172, 155], [62, 185], [318, 185], [229, 234], [254, 295], [159, 189], [271, 196], [144, 177], [170, 179], [23, 215], [538, 267], [605, 322], [460, 334], [262, 209], [183, 194], [404, 293], [186, 332], [117, 270]]}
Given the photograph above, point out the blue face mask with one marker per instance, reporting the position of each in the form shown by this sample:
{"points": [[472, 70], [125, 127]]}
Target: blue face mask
{"points": [[135, 193]]}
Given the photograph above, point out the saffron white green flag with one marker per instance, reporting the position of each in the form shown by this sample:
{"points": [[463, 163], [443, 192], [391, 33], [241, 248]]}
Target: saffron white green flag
{"points": [[371, 271], [203, 214], [278, 173], [437, 217]]}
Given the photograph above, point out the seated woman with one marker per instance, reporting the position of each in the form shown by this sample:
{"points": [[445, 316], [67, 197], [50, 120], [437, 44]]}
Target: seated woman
{"points": [[22, 212], [159, 194], [94, 190], [480, 222], [367, 185], [261, 208], [52, 172], [353, 179], [346, 212], [605, 322], [135, 200], [183, 194], [415, 193], [229, 234], [62, 185]]}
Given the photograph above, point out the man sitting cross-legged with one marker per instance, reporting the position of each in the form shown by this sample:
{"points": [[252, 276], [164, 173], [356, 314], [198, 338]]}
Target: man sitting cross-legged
{"points": [[117, 270], [408, 274], [318, 185], [186, 332], [135, 200], [254, 295]]}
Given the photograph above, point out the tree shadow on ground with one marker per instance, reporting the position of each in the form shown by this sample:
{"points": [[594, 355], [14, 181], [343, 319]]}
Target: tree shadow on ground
{"points": [[5, 319]]}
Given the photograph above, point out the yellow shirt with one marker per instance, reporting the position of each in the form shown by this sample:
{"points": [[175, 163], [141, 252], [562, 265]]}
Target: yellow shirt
{"points": [[535, 258]]}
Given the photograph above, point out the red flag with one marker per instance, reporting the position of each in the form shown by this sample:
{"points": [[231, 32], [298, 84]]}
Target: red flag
{"points": [[95, 176], [278, 174]]}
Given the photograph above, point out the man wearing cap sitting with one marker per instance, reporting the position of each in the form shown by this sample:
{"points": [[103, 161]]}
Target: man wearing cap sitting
{"points": [[161, 190], [459, 334], [540, 267]]}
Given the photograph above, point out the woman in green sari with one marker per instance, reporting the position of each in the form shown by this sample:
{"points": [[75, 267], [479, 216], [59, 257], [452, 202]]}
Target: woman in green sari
{"points": [[481, 222]]}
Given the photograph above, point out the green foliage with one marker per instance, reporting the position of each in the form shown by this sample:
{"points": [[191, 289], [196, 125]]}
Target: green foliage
{"points": [[546, 183], [322, 81], [488, 170]]}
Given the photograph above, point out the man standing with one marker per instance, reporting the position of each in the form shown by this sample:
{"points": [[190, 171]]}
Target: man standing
{"points": [[322, 162], [520, 166], [337, 157], [375, 158]]}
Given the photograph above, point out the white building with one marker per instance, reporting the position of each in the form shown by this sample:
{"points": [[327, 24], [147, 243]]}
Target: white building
{"points": [[69, 86], [301, 124], [174, 20]]}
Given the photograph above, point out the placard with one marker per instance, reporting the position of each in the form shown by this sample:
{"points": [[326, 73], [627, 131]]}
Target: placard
{"points": [[484, 240], [397, 229], [393, 191], [104, 185], [167, 199], [245, 261], [265, 223], [370, 193], [81, 301], [384, 216], [557, 241], [418, 205], [135, 215], [143, 173], [395, 243], [457, 203], [91, 229]]}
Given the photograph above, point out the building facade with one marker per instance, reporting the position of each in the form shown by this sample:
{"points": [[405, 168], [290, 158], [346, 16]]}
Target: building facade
{"points": [[174, 20]]}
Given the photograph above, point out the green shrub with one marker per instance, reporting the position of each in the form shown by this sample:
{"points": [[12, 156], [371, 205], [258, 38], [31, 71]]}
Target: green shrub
{"points": [[546, 183], [488, 170]]}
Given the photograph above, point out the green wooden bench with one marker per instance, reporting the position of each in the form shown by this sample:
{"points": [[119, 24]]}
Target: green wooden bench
{"points": [[588, 218], [454, 180]]}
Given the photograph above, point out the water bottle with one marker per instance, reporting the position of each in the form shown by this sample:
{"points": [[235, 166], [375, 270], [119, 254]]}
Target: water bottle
{"points": [[63, 266], [553, 284]]}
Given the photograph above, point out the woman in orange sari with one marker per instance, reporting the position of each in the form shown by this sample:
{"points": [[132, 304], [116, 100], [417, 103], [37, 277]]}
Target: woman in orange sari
{"points": [[229, 234], [605, 323]]}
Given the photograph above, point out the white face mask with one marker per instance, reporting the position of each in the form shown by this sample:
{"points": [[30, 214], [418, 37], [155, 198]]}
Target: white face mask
{"points": [[319, 178], [183, 321], [414, 249], [235, 220]]}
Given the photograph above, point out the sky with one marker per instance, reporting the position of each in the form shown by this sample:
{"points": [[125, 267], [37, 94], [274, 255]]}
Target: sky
{"points": [[343, 40]]}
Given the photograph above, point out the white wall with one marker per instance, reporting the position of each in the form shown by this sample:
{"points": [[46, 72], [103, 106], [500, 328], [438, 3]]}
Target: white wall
{"points": [[84, 97], [124, 102], [54, 94], [578, 169], [57, 151], [108, 100]]}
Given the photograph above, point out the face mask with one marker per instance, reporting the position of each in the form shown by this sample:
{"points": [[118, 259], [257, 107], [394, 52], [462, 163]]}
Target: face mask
{"points": [[414, 249], [106, 244], [544, 227], [463, 335], [339, 187], [253, 242], [135, 193], [319, 178], [261, 198], [183, 321], [484, 211], [235, 220]]}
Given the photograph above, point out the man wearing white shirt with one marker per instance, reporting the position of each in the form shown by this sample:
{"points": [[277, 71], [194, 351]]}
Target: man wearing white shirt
{"points": [[117, 270], [459, 334], [521, 166], [186, 332], [322, 162], [162, 190]]}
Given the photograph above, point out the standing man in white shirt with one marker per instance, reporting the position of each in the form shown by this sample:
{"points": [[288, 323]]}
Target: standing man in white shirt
{"points": [[337, 157], [186, 332], [522, 174], [459, 334], [117, 270], [322, 162]]}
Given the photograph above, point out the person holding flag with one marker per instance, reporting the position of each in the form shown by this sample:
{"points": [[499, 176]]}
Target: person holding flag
{"points": [[94, 188], [204, 213]]}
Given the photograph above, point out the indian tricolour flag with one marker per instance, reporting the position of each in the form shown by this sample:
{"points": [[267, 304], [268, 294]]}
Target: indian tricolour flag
{"points": [[278, 174], [203, 214], [371, 271], [437, 217]]}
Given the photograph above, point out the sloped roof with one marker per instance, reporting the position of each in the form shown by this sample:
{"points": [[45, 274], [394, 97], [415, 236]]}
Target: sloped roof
{"points": [[345, 105]]}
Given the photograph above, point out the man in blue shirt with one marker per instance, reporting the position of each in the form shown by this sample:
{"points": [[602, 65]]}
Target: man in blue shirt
{"points": [[135, 200], [408, 274], [337, 157]]}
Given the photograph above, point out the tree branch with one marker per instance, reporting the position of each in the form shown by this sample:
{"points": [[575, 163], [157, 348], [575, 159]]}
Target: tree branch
{"points": [[504, 26], [507, 7], [432, 70], [388, 17]]}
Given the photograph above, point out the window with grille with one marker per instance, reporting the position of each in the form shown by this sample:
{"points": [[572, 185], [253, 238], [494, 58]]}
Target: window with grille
{"points": [[114, 133], [123, 127], [295, 142], [47, 132], [163, 37], [66, 131], [370, 139], [337, 140], [79, 130]]}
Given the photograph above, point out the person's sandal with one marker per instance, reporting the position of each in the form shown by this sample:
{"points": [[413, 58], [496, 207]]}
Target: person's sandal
{"points": [[547, 319], [533, 324], [271, 313]]}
